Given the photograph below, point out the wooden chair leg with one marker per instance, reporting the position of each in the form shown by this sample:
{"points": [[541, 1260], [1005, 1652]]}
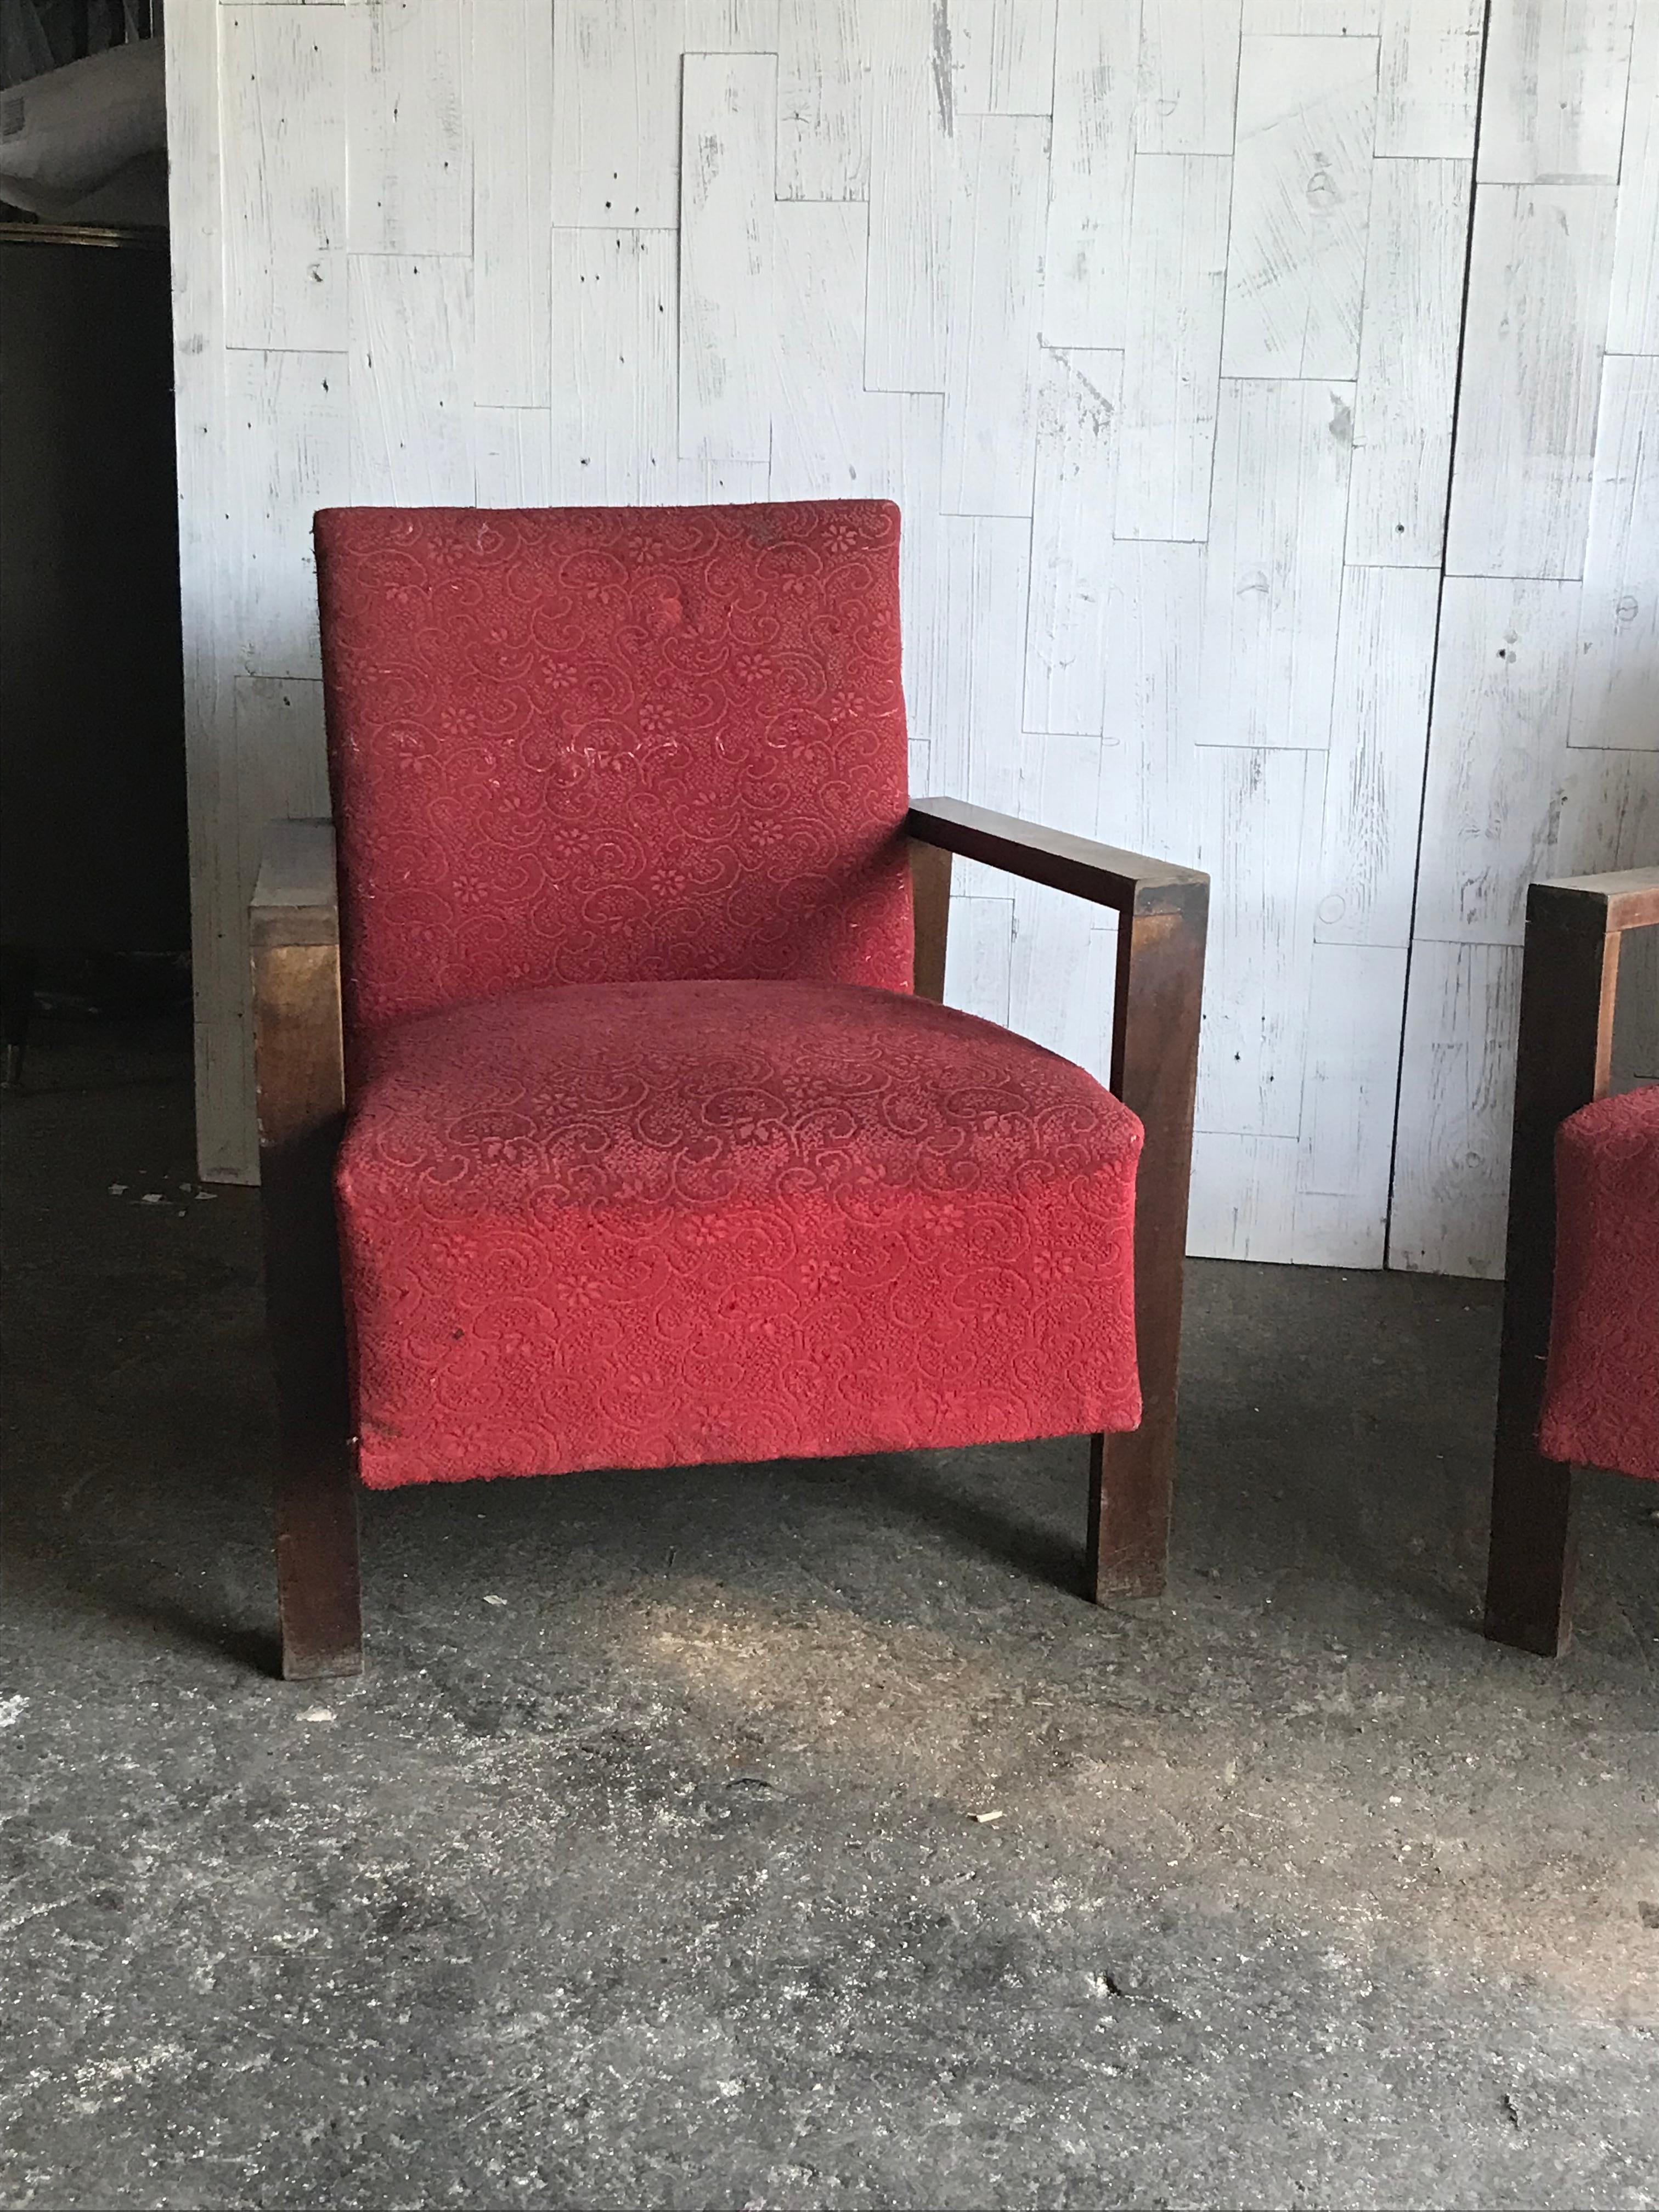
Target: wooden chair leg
{"points": [[1533, 1554]]}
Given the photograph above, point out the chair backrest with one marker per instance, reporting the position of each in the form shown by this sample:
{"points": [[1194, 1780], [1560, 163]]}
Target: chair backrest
{"points": [[597, 744]]}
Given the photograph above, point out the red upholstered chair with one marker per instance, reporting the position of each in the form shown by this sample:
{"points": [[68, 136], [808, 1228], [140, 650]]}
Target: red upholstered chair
{"points": [[608, 1114], [1579, 1377]]}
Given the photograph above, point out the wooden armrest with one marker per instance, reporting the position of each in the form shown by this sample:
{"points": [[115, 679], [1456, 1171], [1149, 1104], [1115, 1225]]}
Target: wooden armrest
{"points": [[1131, 883], [295, 900], [1626, 899]]}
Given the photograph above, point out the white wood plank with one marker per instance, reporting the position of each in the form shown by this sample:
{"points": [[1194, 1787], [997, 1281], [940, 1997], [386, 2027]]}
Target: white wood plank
{"points": [[1536, 321], [512, 199], [920, 436], [1355, 1005], [978, 952], [1428, 79], [1414, 260], [1313, 18], [282, 762], [287, 453], [1615, 690], [1188, 79], [409, 133], [1172, 357], [1085, 267], [1497, 741], [1258, 836], [1374, 773], [1062, 979], [722, 483], [827, 431], [513, 453], [1274, 570], [1153, 626], [1456, 1110], [614, 418], [985, 576], [617, 114], [283, 74], [823, 101], [1243, 1204], [996, 270], [912, 187], [726, 335], [1001, 55], [225, 1143], [1609, 815], [730, 26], [410, 382], [1554, 100], [1302, 180], [1077, 402], [1633, 310]]}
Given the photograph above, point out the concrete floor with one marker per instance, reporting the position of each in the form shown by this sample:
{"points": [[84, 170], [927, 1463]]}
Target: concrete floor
{"points": [[642, 1868]]}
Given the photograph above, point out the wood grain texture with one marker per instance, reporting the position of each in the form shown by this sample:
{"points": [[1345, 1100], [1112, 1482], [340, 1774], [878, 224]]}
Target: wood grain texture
{"points": [[1302, 181], [512, 455], [980, 956], [1414, 258], [1078, 404], [1428, 79], [1615, 685], [1187, 82], [1086, 247], [827, 436], [287, 433], [408, 127], [726, 325], [1153, 627], [1274, 567], [1539, 277], [1243, 1198], [823, 101], [512, 200], [1457, 1092], [913, 155], [1313, 18], [1356, 1003], [615, 427], [1001, 55], [617, 114], [281, 765], [410, 380], [1172, 351], [1634, 307], [985, 577], [284, 177], [995, 295], [1580, 50]]}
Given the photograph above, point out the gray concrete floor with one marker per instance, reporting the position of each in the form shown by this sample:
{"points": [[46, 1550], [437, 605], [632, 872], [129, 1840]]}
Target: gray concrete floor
{"points": [[642, 1868]]}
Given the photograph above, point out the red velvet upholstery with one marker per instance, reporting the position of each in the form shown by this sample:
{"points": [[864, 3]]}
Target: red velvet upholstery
{"points": [[596, 744], [652, 1223], [1601, 1396]]}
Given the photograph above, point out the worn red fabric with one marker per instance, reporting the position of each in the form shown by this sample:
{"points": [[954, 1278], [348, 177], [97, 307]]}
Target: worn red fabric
{"points": [[1601, 1395], [653, 1223], [597, 744]]}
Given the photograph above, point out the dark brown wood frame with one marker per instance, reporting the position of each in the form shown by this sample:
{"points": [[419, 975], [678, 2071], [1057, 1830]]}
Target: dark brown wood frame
{"points": [[298, 1066], [1569, 986]]}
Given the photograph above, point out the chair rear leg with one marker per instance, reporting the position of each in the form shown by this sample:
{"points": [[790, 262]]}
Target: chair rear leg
{"points": [[1534, 1552]]}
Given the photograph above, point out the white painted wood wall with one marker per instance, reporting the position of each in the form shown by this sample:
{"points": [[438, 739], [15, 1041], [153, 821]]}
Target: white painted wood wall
{"points": [[1148, 312]]}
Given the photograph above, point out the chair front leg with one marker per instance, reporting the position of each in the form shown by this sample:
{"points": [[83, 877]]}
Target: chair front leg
{"points": [[1160, 983]]}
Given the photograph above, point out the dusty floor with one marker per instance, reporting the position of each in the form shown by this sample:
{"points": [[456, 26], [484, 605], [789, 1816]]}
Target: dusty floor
{"points": [[641, 1868]]}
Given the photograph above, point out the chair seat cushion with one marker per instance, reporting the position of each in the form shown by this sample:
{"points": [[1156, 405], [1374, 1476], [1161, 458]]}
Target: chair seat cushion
{"points": [[1601, 1396], [650, 1224]]}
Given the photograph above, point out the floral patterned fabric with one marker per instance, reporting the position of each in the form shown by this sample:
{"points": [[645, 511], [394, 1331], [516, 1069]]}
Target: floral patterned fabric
{"points": [[585, 745], [653, 1223], [1601, 1395]]}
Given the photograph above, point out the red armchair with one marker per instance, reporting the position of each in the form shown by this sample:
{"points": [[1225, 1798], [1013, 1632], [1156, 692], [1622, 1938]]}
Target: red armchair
{"points": [[1579, 1371], [609, 1114]]}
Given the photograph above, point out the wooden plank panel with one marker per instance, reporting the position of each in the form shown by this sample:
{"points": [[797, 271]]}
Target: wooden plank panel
{"points": [[996, 267], [919, 436], [1274, 571], [1456, 1106], [1172, 357], [1243, 1197], [1428, 79], [1355, 1005], [514, 454], [1414, 259], [722, 483], [1313, 18], [614, 418], [283, 74], [826, 428], [409, 133], [410, 380], [727, 337], [1301, 179], [1536, 320], [287, 453], [512, 199], [1633, 310], [1154, 650], [1615, 690], [975, 752], [1001, 55], [1379, 737], [617, 114], [912, 187], [978, 952], [1061, 978], [730, 26], [1187, 81], [1258, 835], [281, 763], [1553, 101], [1078, 397], [823, 101], [1085, 266]]}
